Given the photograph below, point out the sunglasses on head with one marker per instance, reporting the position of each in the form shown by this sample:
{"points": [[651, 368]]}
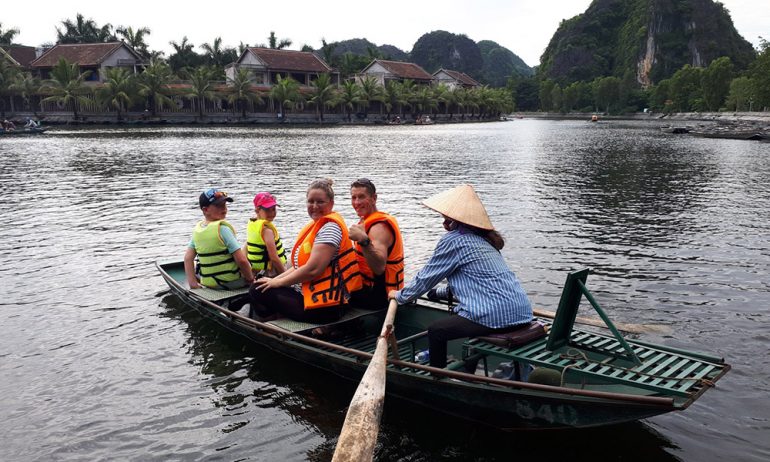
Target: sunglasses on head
{"points": [[364, 183], [214, 194]]}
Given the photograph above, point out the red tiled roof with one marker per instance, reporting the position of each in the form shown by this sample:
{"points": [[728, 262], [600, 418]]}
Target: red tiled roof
{"points": [[84, 54], [404, 70], [290, 60], [22, 54], [465, 79]]}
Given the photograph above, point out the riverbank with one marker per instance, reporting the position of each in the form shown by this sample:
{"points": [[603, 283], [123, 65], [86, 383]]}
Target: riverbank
{"points": [[301, 119], [667, 119]]}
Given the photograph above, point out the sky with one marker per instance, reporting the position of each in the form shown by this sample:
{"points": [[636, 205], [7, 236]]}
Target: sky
{"points": [[522, 26]]}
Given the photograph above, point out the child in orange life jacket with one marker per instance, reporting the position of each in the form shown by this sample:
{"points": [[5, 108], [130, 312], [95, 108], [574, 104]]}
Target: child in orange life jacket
{"points": [[263, 246]]}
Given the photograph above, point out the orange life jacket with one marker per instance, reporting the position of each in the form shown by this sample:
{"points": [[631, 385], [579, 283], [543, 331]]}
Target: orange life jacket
{"points": [[340, 278], [394, 263]]}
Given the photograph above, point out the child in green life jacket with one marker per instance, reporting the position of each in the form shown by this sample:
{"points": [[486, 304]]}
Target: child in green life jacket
{"points": [[222, 263], [263, 247]]}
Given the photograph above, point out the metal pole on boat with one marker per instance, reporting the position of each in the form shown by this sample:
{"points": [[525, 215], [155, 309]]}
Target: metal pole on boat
{"points": [[362, 422]]}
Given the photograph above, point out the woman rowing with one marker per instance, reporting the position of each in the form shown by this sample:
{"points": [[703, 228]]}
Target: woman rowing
{"points": [[490, 297]]}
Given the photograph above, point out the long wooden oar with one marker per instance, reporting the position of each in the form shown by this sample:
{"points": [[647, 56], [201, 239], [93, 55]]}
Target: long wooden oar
{"points": [[623, 326], [362, 422]]}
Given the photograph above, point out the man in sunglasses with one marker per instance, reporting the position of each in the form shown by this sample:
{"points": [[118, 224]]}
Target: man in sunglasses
{"points": [[222, 263], [379, 247]]}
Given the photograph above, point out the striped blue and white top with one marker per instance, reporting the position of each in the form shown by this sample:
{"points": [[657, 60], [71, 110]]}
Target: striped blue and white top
{"points": [[487, 291]]}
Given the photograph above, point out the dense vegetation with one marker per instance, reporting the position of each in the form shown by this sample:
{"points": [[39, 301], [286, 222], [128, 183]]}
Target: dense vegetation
{"points": [[594, 62]]}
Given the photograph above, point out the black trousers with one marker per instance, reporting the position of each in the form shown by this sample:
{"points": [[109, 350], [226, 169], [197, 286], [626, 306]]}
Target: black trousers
{"points": [[289, 303], [371, 298], [450, 328]]}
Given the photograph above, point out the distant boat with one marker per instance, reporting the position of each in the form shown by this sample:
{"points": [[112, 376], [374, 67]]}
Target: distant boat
{"points": [[23, 131], [594, 118], [675, 130]]}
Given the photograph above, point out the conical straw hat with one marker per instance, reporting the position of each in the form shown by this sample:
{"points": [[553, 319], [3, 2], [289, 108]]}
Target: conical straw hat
{"points": [[461, 204]]}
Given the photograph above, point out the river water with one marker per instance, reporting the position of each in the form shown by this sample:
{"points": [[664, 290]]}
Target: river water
{"points": [[99, 362]]}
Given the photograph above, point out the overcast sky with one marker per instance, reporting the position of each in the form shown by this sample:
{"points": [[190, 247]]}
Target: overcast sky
{"points": [[523, 26]]}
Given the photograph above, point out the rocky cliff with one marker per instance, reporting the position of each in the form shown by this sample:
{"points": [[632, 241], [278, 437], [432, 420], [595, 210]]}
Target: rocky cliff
{"points": [[650, 38]]}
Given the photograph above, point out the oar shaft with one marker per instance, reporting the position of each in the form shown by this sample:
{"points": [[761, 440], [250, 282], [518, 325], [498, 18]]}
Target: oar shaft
{"points": [[362, 422]]}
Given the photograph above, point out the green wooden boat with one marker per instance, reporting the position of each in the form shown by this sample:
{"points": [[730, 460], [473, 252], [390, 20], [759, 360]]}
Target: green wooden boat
{"points": [[601, 378]]}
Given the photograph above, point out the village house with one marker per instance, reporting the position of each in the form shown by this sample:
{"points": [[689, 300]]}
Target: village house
{"points": [[454, 79], [266, 64], [18, 55], [384, 71], [93, 57]]}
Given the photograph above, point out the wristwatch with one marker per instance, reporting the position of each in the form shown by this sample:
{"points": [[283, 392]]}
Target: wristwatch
{"points": [[365, 242]]}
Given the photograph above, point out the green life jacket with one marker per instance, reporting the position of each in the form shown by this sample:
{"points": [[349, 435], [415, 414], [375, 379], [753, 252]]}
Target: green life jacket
{"points": [[258, 256], [217, 265]]}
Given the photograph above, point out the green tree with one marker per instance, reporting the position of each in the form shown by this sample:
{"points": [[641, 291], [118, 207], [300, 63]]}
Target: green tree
{"points": [[324, 94], [8, 75], [424, 100], [327, 50], [741, 93], [370, 91], [184, 56], [285, 93], [349, 96], [83, 30], [135, 39], [392, 97], [240, 93], [556, 98], [759, 72], [716, 82], [686, 91], [67, 86], [546, 94], [28, 87], [7, 35], [153, 85], [276, 44], [201, 87], [218, 56], [118, 90], [606, 92]]}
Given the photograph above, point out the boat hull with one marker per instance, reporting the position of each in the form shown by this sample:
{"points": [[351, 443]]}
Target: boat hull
{"points": [[504, 407]]}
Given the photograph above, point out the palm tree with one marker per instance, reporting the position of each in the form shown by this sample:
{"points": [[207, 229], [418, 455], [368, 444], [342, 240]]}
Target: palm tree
{"points": [[136, 39], [370, 91], [324, 94], [327, 49], [441, 94], [240, 92], [28, 87], [278, 45], [84, 31], [118, 89], [424, 100], [153, 85], [214, 52], [285, 92], [183, 55], [66, 85], [7, 35], [350, 96], [393, 97], [407, 95], [8, 74], [202, 86]]}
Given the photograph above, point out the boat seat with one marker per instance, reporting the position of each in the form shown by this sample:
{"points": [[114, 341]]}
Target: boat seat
{"points": [[219, 295], [297, 326], [516, 335]]}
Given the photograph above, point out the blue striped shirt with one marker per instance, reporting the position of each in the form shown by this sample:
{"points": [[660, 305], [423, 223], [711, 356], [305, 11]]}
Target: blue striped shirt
{"points": [[487, 291]]}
